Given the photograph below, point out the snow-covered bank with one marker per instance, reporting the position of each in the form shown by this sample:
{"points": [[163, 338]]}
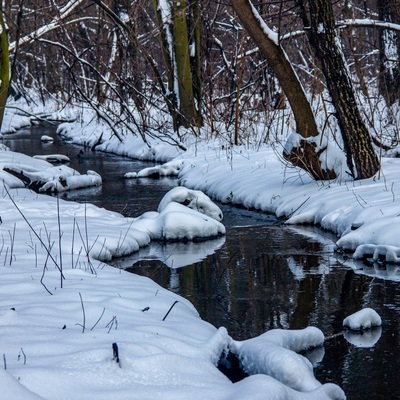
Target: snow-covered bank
{"points": [[62, 310]]}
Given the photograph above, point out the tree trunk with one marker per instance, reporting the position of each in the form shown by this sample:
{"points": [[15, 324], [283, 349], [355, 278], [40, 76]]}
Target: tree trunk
{"points": [[187, 106], [304, 153], [165, 31], [389, 82], [361, 156], [4, 65]]}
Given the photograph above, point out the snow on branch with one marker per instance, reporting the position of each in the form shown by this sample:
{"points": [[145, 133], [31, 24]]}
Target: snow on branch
{"points": [[56, 23], [273, 36], [366, 22]]}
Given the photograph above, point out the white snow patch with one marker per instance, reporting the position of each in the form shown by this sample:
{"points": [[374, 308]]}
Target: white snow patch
{"points": [[275, 354], [46, 139], [366, 318], [194, 199]]}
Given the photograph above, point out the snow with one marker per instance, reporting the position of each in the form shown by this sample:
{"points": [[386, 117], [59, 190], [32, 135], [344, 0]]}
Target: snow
{"points": [[275, 354], [46, 138], [366, 318], [61, 308], [273, 36], [171, 168], [54, 158], [52, 179], [59, 345], [194, 199]]}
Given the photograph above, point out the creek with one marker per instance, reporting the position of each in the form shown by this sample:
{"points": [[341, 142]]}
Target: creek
{"points": [[262, 275]]}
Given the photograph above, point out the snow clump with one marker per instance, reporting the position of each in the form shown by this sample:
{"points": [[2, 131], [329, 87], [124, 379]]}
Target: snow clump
{"points": [[194, 199], [275, 354], [366, 318]]}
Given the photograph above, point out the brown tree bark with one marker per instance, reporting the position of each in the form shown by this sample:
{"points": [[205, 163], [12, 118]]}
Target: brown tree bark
{"points": [[389, 82], [305, 121], [305, 155], [4, 65], [361, 156]]}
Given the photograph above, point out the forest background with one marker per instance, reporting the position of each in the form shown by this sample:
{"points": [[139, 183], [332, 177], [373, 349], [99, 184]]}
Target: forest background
{"points": [[241, 72]]}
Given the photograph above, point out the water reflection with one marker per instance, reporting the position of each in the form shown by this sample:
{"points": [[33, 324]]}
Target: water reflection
{"points": [[173, 254], [364, 339], [262, 277], [377, 270]]}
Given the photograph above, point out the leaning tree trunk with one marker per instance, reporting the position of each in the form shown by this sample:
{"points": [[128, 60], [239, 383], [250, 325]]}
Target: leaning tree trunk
{"points": [[389, 82], [4, 65], [304, 153], [361, 156]]}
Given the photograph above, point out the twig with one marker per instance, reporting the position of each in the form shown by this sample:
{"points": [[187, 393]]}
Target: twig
{"points": [[31, 227], [116, 354], [84, 315], [111, 323], [301, 205], [358, 201], [335, 335], [19, 355], [59, 240], [173, 305], [101, 316], [12, 243], [44, 271]]}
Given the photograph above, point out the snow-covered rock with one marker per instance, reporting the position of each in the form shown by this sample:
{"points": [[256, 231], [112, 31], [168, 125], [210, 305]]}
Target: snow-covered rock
{"points": [[29, 171], [366, 318], [170, 168], [275, 354], [46, 139], [194, 199]]}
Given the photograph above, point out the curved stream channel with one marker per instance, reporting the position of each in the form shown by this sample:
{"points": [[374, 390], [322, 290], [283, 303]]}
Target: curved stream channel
{"points": [[262, 275]]}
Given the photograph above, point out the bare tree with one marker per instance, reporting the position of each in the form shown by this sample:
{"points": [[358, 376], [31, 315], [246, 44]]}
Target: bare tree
{"points": [[181, 49], [4, 64], [304, 154], [389, 11], [361, 157]]}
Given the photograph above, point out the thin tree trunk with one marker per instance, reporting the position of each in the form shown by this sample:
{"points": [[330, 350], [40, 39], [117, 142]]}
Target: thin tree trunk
{"points": [[187, 106], [277, 59], [389, 82], [4, 65]]}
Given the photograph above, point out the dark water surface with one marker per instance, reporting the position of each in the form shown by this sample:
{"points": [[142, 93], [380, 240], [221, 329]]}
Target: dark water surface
{"points": [[262, 275]]}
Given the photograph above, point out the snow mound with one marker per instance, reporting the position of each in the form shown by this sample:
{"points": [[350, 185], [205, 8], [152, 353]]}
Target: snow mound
{"points": [[194, 199], [180, 222], [366, 318], [170, 168], [12, 389], [21, 170], [46, 139], [261, 387], [389, 254], [53, 158], [275, 354]]}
